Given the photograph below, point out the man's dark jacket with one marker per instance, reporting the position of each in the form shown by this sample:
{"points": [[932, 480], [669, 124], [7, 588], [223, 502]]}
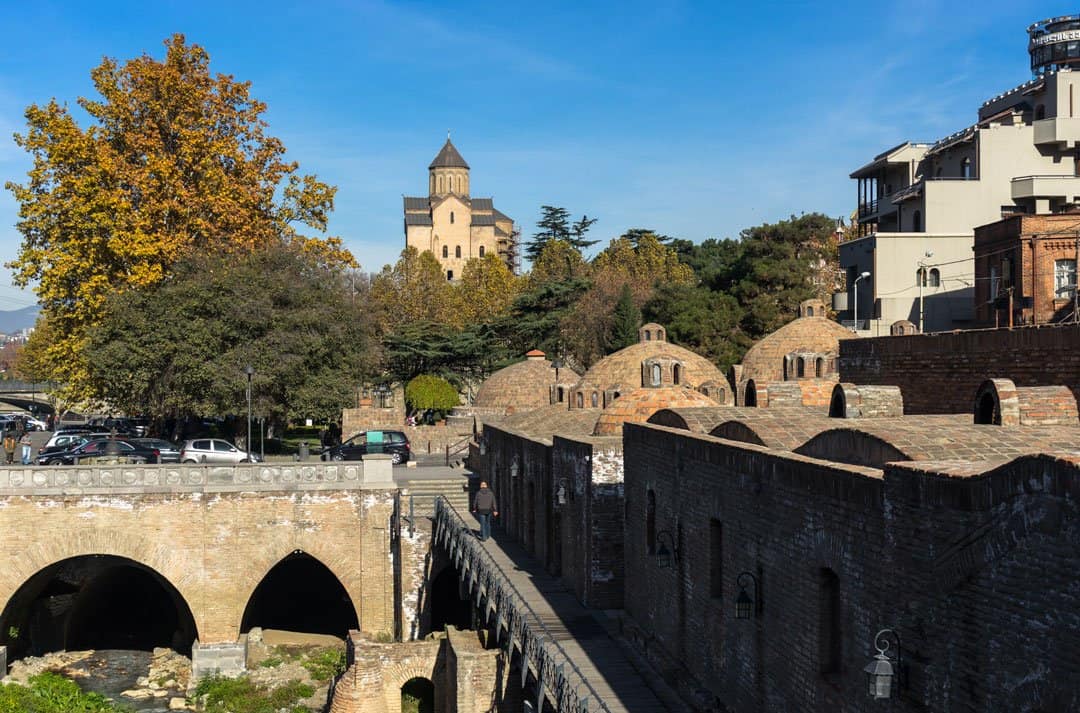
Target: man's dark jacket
{"points": [[484, 502]]}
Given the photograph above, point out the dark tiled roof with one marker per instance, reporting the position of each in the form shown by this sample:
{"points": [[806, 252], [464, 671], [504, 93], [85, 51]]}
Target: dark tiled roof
{"points": [[483, 220], [417, 219], [499, 215], [482, 204], [414, 203], [448, 158]]}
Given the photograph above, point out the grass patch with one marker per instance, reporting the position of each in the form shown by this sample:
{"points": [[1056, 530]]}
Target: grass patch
{"points": [[323, 664], [240, 695], [52, 693]]}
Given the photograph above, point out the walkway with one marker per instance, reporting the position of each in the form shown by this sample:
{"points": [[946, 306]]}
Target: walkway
{"points": [[584, 641]]}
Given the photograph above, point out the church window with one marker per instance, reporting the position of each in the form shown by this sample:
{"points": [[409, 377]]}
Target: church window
{"points": [[445, 251], [449, 274], [451, 217], [457, 251], [481, 251]]}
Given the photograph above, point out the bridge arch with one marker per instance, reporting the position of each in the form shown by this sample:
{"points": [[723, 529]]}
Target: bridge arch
{"points": [[96, 601], [299, 592]]}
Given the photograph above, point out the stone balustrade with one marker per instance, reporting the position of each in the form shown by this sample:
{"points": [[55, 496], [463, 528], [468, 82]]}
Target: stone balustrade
{"points": [[374, 472]]}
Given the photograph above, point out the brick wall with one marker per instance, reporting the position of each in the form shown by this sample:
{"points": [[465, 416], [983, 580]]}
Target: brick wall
{"points": [[941, 373], [591, 520], [975, 571]]}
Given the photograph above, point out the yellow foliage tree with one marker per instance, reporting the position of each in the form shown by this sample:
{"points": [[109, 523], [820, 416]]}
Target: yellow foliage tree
{"points": [[487, 289], [414, 290], [558, 261], [646, 263], [175, 160]]}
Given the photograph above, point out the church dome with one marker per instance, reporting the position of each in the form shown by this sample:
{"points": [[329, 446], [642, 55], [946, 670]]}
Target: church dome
{"points": [[448, 157], [640, 404]]}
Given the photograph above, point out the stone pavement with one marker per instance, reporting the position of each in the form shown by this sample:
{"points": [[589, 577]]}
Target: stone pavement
{"points": [[599, 658]]}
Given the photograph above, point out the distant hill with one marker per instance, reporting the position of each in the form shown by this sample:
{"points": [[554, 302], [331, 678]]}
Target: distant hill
{"points": [[13, 320]]}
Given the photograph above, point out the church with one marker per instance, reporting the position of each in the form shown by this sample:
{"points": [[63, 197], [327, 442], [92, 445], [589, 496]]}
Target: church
{"points": [[453, 226]]}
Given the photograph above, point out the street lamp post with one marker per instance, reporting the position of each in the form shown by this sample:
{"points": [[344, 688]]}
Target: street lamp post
{"points": [[855, 290], [250, 371], [922, 281]]}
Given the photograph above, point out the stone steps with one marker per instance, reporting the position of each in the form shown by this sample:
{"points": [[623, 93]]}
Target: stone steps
{"points": [[424, 492]]}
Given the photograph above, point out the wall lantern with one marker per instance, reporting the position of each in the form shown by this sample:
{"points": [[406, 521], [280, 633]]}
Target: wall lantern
{"points": [[514, 468], [666, 556], [561, 491], [747, 606], [880, 673]]}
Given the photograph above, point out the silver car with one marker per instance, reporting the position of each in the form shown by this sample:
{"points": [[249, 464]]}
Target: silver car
{"points": [[214, 450]]}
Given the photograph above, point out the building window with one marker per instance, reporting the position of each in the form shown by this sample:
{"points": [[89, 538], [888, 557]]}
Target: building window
{"points": [[655, 374], [716, 558], [995, 282], [819, 367], [580, 399], [481, 251], [809, 311], [935, 277], [1064, 279], [1040, 112], [457, 251], [916, 222], [660, 334], [829, 650], [648, 336], [650, 522], [559, 394], [675, 375], [445, 251], [595, 399], [449, 274], [965, 168], [920, 277], [451, 217]]}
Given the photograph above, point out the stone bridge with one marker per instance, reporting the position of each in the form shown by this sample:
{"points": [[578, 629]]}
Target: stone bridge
{"points": [[193, 556]]}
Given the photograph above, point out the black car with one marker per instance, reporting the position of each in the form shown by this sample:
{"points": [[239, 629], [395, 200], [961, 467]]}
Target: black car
{"points": [[105, 449], [393, 443]]}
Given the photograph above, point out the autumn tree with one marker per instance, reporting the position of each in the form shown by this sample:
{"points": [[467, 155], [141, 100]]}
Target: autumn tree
{"points": [[174, 161], [625, 321], [414, 290], [487, 289]]}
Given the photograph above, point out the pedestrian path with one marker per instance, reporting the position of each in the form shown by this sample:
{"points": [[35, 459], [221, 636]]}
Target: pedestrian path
{"points": [[598, 657]]}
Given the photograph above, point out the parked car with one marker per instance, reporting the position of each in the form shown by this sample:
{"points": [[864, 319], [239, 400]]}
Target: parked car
{"points": [[104, 449], [170, 452], [66, 438], [393, 443], [122, 426], [214, 450], [11, 420]]}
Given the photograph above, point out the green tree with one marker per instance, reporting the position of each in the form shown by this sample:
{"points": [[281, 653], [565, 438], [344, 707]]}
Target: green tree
{"points": [[554, 224], [427, 392], [175, 160], [180, 347], [626, 321], [700, 319]]}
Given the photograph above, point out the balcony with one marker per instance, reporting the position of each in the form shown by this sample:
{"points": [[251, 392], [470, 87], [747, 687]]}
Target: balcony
{"points": [[1063, 187], [1059, 130]]}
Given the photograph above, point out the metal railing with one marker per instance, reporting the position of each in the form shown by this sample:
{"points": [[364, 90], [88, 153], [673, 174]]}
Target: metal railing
{"points": [[454, 449], [493, 592]]}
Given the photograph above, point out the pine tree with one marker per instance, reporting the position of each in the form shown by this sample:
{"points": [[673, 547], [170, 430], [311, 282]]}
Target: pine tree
{"points": [[626, 320]]}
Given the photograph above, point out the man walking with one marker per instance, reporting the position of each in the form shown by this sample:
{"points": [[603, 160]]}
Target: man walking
{"points": [[485, 507]]}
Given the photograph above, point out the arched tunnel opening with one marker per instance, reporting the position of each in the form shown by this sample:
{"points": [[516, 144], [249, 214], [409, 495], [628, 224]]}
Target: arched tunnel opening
{"points": [[301, 594], [96, 602], [447, 606]]}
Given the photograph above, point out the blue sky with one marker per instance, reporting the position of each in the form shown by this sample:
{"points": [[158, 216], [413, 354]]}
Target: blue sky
{"points": [[694, 119]]}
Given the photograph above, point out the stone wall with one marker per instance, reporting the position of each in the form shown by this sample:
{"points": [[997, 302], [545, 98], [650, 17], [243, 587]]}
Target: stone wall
{"points": [[213, 533], [941, 373], [973, 568]]}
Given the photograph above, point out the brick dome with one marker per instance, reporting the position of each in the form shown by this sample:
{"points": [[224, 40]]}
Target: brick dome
{"points": [[523, 386], [633, 367], [638, 405], [764, 362]]}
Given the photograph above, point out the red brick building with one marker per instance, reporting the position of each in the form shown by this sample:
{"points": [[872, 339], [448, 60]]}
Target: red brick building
{"points": [[1025, 269]]}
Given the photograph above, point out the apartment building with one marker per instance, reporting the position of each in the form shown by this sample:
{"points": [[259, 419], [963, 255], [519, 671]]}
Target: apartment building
{"points": [[919, 203]]}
